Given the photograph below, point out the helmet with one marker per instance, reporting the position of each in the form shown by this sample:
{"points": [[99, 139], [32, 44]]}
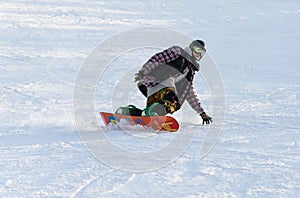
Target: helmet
{"points": [[199, 47], [198, 43]]}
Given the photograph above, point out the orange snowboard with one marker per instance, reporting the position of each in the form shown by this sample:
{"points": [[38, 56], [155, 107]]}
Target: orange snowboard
{"points": [[163, 123]]}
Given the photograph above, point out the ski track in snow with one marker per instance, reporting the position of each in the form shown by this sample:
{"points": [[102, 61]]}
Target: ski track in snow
{"points": [[254, 44]]}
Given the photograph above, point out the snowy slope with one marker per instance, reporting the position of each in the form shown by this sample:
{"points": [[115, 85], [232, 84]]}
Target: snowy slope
{"points": [[255, 46]]}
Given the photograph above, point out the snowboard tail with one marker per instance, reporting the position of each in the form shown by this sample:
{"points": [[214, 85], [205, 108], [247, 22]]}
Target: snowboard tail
{"points": [[163, 123]]}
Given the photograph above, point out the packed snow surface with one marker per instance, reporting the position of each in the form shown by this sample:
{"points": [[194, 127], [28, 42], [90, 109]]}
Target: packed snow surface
{"points": [[255, 46]]}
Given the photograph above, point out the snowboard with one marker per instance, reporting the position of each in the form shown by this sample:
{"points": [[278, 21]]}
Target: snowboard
{"points": [[162, 123]]}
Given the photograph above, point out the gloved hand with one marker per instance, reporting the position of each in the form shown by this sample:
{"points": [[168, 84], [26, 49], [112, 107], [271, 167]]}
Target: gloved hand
{"points": [[137, 77], [206, 118]]}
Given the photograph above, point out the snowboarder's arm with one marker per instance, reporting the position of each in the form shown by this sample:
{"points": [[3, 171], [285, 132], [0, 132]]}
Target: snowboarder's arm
{"points": [[193, 100]]}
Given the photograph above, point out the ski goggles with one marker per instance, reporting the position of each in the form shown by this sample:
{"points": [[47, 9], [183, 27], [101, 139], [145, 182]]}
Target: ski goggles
{"points": [[199, 50]]}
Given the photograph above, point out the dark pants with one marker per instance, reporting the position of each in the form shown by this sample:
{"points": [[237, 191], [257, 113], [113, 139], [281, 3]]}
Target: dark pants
{"points": [[166, 97]]}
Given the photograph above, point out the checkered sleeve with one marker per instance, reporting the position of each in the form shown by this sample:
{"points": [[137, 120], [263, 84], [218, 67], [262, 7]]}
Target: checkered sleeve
{"points": [[149, 81], [163, 57], [193, 100]]}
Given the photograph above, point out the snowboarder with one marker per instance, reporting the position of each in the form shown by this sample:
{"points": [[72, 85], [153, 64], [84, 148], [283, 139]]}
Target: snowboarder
{"points": [[166, 79]]}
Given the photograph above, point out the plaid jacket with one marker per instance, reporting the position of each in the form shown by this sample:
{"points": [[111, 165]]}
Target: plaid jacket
{"points": [[169, 57]]}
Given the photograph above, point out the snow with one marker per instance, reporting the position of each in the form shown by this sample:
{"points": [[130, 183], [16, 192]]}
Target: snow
{"points": [[44, 45]]}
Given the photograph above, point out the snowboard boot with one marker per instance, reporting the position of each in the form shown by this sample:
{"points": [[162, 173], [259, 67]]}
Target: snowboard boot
{"points": [[155, 109], [129, 110]]}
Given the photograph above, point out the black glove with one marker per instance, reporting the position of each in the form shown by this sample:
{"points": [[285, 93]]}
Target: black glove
{"points": [[206, 118]]}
